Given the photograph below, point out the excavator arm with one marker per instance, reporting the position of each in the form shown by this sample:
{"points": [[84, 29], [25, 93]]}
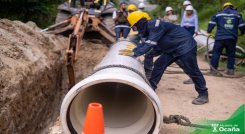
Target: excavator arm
{"points": [[80, 21], [74, 44]]}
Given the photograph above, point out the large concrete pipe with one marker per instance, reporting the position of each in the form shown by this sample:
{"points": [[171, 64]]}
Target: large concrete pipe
{"points": [[129, 103]]}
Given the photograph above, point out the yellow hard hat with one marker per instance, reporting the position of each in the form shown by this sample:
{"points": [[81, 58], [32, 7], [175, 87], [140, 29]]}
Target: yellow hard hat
{"points": [[134, 17], [227, 4], [96, 1], [132, 7], [147, 16]]}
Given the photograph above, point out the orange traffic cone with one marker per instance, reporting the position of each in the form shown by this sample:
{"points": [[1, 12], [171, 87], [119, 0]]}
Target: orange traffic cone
{"points": [[94, 120]]}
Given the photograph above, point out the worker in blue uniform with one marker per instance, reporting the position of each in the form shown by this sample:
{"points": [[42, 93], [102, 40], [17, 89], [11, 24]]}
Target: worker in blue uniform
{"points": [[148, 61], [176, 44], [228, 21]]}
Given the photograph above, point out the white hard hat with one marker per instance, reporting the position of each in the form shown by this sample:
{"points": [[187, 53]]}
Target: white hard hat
{"points": [[168, 9], [187, 2], [189, 8], [141, 5]]}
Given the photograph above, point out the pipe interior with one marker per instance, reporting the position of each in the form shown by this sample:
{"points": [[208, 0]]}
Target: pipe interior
{"points": [[126, 109]]}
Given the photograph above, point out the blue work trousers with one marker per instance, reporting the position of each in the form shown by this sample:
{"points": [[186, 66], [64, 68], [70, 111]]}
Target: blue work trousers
{"points": [[189, 66], [219, 45], [124, 31]]}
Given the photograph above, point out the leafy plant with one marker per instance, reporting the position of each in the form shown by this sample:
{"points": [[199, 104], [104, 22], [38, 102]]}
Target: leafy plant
{"points": [[43, 12]]}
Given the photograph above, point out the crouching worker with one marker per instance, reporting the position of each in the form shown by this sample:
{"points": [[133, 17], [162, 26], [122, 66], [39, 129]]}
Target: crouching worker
{"points": [[176, 44]]}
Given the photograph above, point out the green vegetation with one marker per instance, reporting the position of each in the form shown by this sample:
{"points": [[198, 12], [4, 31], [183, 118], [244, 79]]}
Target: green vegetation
{"points": [[42, 12], [205, 8], [239, 68]]}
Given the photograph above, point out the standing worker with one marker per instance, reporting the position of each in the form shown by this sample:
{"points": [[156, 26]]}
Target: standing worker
{"points": [[190, 21], [134, 37], [185, 4], [120, 17], [228, 21], [176, 44], [131, 8], [141, 7], [170, 16]]}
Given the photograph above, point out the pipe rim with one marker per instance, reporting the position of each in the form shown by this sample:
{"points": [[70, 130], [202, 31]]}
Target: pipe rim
{"points": [[101, 78]]}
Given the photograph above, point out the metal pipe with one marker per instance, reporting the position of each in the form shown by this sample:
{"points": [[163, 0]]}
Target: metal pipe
{"points": [[130, 105]]}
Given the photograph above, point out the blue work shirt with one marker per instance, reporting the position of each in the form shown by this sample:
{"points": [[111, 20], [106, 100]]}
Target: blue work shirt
{"points": [[171, 38], [190, 21], [228, 21]]}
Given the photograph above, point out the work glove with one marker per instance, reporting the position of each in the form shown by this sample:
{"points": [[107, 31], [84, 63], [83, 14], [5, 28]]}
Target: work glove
{"points": [[130, 46], [126, 52], [210, 35], [132, 32]]}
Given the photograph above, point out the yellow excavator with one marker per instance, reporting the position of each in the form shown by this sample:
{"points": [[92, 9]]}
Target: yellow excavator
{"points": [[76, 18]]}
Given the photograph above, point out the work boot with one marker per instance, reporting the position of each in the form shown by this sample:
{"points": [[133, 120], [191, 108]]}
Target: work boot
{"points": [[200, 100], [230, 72], [189, 81]]}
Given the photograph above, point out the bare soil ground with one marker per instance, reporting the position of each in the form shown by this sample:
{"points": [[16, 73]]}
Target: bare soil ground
{"points": [[90, 54], [225, 96]]}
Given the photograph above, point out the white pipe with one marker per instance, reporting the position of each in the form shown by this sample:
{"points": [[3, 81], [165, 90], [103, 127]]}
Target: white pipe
{"points": [[202, 40], [129, 103]]}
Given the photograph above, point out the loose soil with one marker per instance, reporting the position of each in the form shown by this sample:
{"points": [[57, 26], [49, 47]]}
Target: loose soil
{"points": [[225, 96], [33, 77]]}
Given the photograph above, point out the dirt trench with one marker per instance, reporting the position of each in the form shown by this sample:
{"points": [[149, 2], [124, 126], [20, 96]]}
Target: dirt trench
{"points": [[33, 77]]}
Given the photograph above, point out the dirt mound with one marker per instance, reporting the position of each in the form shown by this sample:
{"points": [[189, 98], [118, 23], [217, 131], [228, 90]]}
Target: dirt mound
{"points": [[30, 64], [91, 53], [33, 77]]}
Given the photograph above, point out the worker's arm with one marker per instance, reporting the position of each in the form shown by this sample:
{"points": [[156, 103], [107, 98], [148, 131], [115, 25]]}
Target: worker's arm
{"points": [[196, 24], [141, 49], [175, 18], [212, 24], [154, 36], [114, 16], [182, 21], [241, 25]]}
